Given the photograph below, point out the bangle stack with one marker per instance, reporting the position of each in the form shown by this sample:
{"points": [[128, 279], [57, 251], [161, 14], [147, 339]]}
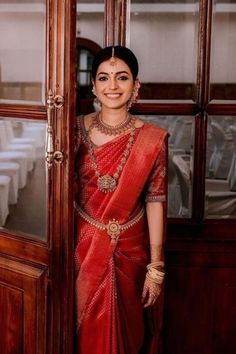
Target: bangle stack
{"points": [[155, 272]]}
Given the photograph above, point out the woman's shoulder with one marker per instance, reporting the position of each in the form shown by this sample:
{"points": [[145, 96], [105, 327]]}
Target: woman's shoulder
{"points": [[154, 128], [87, 120], [84, 121]]}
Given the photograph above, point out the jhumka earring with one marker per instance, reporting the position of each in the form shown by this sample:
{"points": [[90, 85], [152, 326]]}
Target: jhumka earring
{"points": [[97, 103], [113, 59], [134, 96], [94, 91]]}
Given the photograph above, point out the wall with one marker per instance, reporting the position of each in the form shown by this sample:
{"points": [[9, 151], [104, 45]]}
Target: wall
{"points": [[22, 51]]}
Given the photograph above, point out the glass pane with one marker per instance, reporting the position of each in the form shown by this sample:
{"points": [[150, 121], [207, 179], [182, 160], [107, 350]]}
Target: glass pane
{"points": [[223, 72], [220, 199], [22, 51], [23, 176], [181, 141], [90, 34], [90, 20], [168, 31]]}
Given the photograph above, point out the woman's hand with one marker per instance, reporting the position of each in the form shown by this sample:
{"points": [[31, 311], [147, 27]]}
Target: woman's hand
{"points": [[151, 291]]}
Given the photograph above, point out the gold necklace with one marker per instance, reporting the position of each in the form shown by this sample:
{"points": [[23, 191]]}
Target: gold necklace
{"points": [[113, 130], [107, 183]]}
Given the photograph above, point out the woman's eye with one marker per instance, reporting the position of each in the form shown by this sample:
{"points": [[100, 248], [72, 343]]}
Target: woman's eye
{"points": [[123, 78], [102, 78]]}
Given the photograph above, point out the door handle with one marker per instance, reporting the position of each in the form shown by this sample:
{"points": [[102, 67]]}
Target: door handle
{"points": [[53, 102]]}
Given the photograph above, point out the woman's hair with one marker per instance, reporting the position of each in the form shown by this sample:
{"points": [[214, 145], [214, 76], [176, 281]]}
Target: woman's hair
{"points": [[117, 51]]}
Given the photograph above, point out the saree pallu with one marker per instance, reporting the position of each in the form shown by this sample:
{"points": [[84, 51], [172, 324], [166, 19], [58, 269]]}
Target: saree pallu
{"points": [[110, 275]]}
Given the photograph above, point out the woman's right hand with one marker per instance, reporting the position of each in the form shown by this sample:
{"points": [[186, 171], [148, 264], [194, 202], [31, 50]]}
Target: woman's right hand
{"points": [[151, 292]]}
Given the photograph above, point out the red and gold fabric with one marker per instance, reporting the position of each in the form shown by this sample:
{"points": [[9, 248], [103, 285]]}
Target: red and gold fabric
{"points": [[110, 275]]}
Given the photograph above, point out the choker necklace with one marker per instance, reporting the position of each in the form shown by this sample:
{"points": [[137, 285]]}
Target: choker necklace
{"points": [[113, 130], [107, 183]]}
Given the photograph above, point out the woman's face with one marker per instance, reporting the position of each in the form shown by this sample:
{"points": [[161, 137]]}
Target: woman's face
{"points": [[114, 83]]}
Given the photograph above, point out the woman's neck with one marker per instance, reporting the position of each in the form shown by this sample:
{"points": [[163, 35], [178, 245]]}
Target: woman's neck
{"points": [[113, 116]]}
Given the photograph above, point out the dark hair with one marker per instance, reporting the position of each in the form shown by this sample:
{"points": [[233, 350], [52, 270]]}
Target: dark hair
{"points": [[120, 52]]}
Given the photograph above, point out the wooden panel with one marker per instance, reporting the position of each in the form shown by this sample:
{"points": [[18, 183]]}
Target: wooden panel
{"points": [[22, 307], [11, 305], [200, 310], [30, 250]]}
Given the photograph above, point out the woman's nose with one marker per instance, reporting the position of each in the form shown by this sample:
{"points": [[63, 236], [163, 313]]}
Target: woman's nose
{"points": [[113, 83]]}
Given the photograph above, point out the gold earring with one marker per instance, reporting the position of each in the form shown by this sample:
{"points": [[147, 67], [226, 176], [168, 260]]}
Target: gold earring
{"points": [[94, 91], [134, 96]]}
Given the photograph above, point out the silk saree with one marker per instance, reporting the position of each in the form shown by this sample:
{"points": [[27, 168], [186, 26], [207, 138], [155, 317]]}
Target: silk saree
{"points": [[110, 275]]}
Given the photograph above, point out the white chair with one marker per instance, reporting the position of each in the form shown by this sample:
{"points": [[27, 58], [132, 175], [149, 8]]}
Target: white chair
{"points": [[232, 171], [219, 202], [16, 140], [220, 196], [11, 170], [5, 146], [36, 131], [174, 194], [4, 195], [19, 158], [221, 157], [182, 168], [182, 134]]}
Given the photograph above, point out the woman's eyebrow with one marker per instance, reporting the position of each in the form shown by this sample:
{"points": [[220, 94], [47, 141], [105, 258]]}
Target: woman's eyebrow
{"points": [[122, 72], [117, 73], [103, 73]]}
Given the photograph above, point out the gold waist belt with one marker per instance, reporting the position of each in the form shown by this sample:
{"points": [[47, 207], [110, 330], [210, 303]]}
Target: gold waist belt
{"points": [[113, 227]]}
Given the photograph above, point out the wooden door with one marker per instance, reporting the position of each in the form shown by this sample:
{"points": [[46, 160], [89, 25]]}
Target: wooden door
{"points": [[36, 230]]}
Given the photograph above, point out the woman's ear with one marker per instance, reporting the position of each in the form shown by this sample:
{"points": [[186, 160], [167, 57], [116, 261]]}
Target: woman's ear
{"points": [[135, 94], [93, 89], [137, 84]]}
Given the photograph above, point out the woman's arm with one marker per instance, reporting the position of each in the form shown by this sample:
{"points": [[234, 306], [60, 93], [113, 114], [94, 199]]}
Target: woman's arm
{"points": [[155, 217]]}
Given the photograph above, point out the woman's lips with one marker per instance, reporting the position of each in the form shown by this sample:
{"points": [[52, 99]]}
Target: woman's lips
{"points": [[113, 95]]}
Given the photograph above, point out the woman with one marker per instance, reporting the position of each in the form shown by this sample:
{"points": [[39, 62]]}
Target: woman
{"points": [[121, 179]]}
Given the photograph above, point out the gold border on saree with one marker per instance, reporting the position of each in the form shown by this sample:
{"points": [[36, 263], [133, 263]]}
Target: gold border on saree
{"points": [[113, 226]]}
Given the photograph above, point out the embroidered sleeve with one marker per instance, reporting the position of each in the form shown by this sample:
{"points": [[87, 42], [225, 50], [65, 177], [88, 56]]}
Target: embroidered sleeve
{"points": [[156, 186], [77, 136]]}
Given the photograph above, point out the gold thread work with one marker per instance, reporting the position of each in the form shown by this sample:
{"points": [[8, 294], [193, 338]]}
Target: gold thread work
{"points": [[107, 183], [113, 227]]}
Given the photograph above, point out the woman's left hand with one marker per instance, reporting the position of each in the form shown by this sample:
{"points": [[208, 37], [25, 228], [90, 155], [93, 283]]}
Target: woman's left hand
{"points": [[151, 291]]}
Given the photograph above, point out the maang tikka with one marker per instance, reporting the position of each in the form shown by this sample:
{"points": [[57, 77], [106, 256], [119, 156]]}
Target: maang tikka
{"points": [[113, 59]]}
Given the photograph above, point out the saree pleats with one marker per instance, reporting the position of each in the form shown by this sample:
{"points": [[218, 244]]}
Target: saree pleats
{"points": [[115, 308]]}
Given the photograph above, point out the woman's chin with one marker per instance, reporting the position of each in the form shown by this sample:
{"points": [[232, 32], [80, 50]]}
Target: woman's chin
{"points": [[114, 105]]}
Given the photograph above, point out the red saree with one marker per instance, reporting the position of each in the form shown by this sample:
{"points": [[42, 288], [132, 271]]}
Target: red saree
{"points": [[110, 276]]}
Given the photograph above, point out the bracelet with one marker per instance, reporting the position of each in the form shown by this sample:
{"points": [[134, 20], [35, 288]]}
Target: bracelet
{"points": [[159, 264], [154, 274]]}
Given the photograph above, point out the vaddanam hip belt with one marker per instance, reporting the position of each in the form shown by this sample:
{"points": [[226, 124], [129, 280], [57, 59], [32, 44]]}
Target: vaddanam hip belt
{"points": [[113, 227]]}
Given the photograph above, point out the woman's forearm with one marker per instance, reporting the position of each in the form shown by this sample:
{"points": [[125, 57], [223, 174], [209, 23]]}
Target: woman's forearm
{"points": [[155, 217]]}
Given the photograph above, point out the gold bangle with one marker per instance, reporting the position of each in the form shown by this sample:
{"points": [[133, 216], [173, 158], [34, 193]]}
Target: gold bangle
{"points": [[156, 264], [156, 273]]}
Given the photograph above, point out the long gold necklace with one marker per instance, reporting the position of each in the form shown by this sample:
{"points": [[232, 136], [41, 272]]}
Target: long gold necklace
{"points": [[113, 130], [107, 183]]}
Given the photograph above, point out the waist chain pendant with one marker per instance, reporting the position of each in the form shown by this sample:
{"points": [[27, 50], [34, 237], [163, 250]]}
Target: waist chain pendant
{"points": [[113, 229]]}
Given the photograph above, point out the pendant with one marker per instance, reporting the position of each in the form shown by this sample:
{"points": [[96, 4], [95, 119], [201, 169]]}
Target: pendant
{"points": [[106, 183], [113, 230]]}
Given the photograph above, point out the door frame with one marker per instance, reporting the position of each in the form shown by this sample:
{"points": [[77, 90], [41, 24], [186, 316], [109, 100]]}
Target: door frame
{"points": [[50, 263]]}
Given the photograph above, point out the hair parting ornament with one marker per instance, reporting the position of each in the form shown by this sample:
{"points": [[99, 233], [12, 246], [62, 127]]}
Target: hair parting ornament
{"points": [[112, 53], [113, 59]]}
